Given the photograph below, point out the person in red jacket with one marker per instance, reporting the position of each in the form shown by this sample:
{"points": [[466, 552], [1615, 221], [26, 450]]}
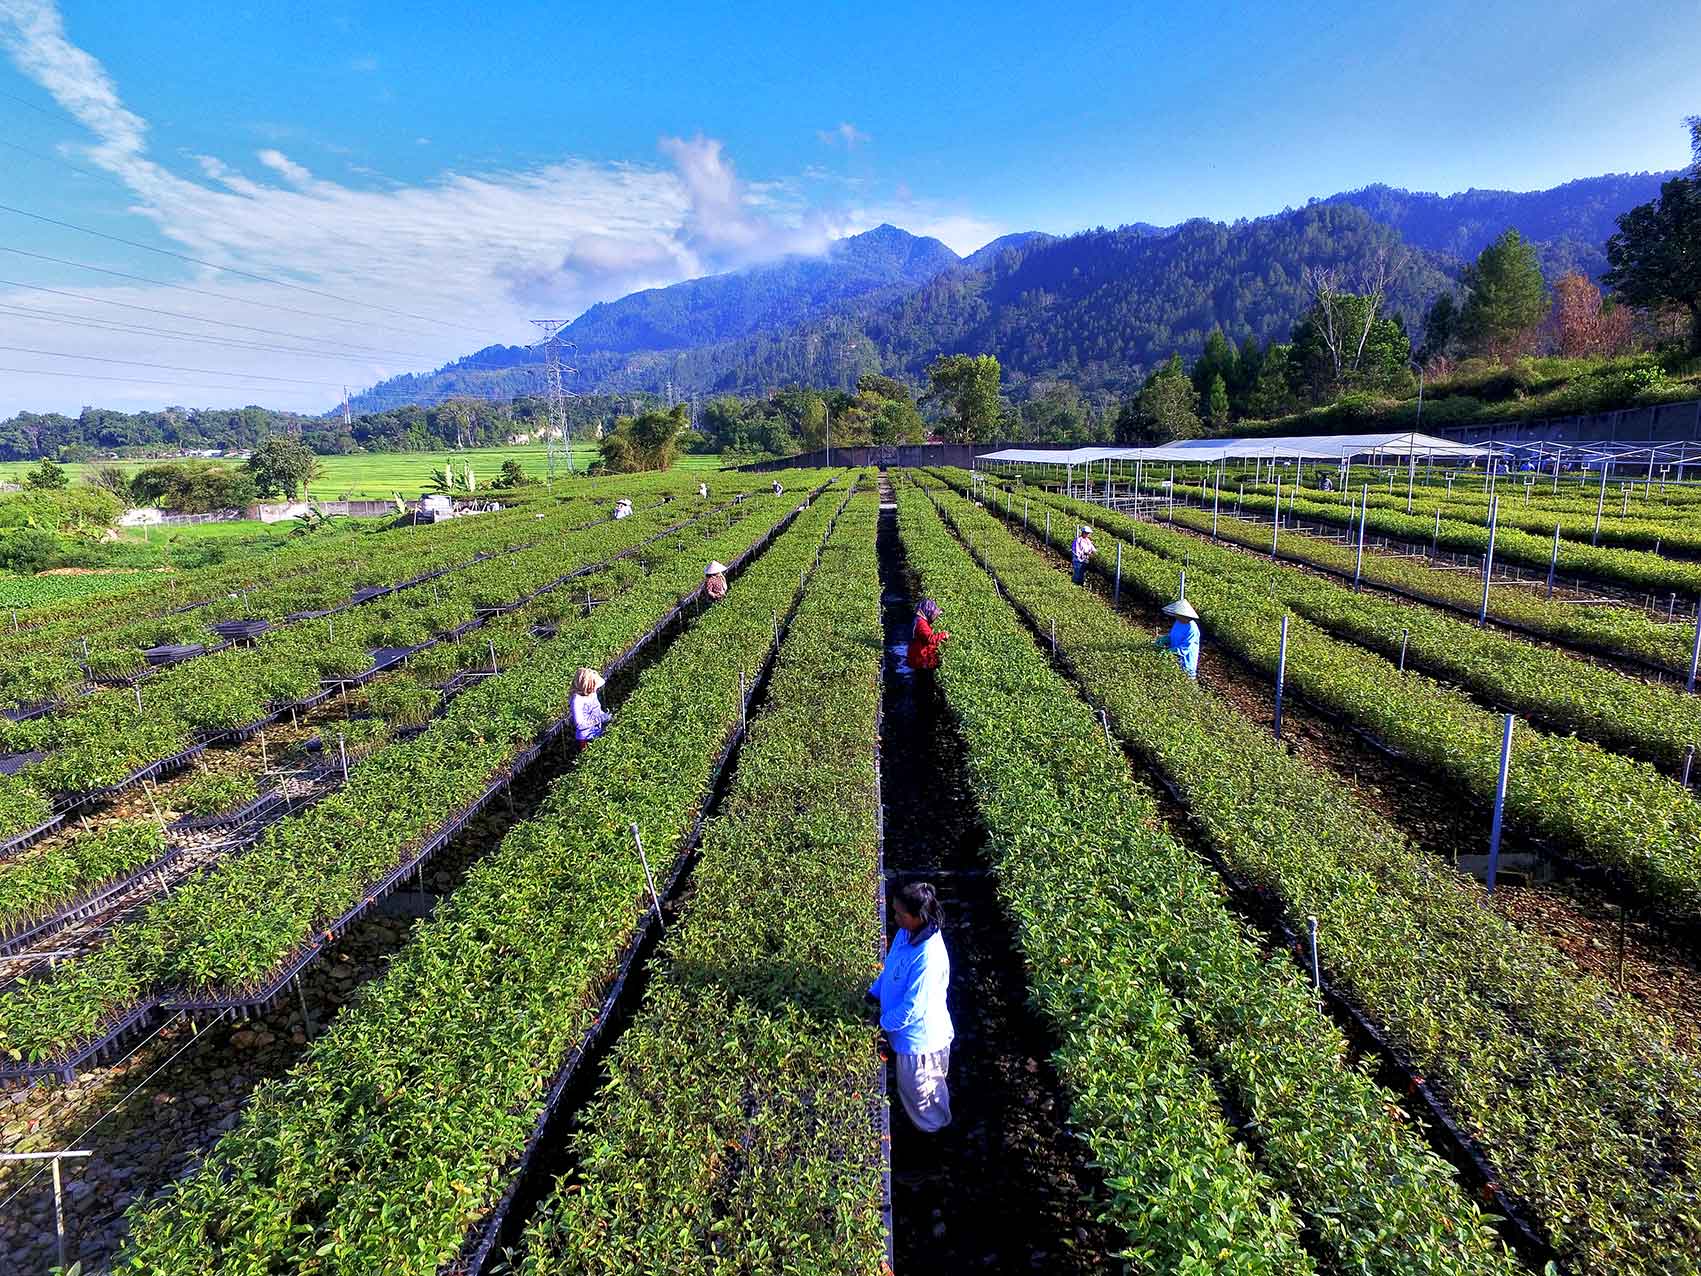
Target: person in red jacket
{"points": [[925, 639]]}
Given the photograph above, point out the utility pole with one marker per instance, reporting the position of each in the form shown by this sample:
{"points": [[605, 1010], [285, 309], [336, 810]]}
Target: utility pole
{"points": [[557, 428], [345, 408]]}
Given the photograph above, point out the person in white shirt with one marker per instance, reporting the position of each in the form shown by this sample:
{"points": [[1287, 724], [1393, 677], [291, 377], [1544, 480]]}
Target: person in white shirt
{"points": [[1081, 552], [911, 991], [623, 508], [703, 491], [590, 719]]}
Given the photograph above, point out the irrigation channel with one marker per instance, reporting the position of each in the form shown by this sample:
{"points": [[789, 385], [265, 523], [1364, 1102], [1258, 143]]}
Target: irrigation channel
{"points": [[1581, 910], [154, 1111], [1005, 1187]]}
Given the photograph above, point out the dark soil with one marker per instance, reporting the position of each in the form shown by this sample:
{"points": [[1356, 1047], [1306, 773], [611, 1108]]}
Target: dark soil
{"points": [[1005, 1187]]}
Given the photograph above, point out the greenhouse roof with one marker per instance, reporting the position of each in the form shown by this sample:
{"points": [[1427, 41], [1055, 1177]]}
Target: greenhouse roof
{"points": [[1329, 447]]}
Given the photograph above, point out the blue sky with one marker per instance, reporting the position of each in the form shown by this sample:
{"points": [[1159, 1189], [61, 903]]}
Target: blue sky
{"points": [[475, 165]]}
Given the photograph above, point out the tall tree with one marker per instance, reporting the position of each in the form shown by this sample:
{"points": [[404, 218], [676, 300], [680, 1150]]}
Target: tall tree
{"points": [[1507, 296], [966, 385], [282, 464], [1655, 256], [1216, 360], [1217, 401], [1583, 324], [1166, 409], [1440, 326]]}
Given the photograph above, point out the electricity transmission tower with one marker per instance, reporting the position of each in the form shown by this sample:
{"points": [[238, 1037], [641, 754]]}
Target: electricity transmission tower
{"points": [[551, 345]]}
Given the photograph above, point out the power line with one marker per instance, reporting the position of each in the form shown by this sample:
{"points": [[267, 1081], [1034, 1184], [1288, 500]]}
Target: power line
{"points": [[162, 367], [234, 343], [180, 385], [177, 314], [246, 274], [55, 159], [199, 292]]}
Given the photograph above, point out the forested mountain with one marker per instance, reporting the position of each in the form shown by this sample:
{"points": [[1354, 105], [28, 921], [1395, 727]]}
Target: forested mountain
{"points": [[1570, 223], [1100, 308], [613, 338]]}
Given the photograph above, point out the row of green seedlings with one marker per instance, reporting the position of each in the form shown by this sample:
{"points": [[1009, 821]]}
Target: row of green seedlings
{"points": [[1623, 633], [1627, 714], [66, 877], [1676, 532], [40, 667], [739, 1128], [102, 741], [233, 927], [1161, 999], [1586, 1112], [304, 560], [1573, 490], [156, 595], [1574, 797], [1474, 493], [397, 1133], [1625, 569]]}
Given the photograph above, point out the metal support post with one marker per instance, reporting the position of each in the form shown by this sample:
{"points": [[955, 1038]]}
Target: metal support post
{"points": [[1499, 803], [342, 752], [1183, 588], [1695, 650], [1405, 637], [655, 899], [1316, 964], [1216, 503], [1488, 558], [58, 1188], [1358, 554], [1281, 675], [1600, 504], [1688, 764], [1553, 561], [1116, 592]]}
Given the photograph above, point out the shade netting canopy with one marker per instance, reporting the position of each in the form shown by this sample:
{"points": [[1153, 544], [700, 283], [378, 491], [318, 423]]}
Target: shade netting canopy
{"points": [[1308, 447]]}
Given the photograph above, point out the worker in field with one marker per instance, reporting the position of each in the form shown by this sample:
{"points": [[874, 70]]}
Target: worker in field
{"points": [[923, 652], [622, 508], [1081, 551], [913, 1014], [778, 490], [1183, 635], [702, 491], [590, 719], [714, 580]]}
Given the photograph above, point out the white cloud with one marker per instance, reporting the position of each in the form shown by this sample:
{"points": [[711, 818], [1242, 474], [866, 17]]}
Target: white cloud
{"points": [[280, 163], [467, 257], [364, 65], [846, 135]]}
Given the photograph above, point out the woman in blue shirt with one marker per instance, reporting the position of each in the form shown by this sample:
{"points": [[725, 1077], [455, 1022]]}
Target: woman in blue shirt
{"points": [[911, 991], [1183, 635]]}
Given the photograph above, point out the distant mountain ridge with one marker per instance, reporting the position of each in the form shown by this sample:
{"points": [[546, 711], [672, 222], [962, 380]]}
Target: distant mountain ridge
{"points": [[614, 337], [1099, 307], [1572, 221]]}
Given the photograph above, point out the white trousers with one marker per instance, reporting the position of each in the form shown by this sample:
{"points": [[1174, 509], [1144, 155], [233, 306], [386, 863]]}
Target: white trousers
{"points": [[922, 1087]]}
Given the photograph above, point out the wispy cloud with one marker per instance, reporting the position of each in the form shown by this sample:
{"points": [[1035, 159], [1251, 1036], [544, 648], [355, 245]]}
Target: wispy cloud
{"points": [[846, 135], [476, 253], [365, 65]]}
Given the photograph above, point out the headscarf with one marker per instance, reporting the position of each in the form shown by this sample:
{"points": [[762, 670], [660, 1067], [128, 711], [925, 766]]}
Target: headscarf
{"points": [[929, 610]]}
